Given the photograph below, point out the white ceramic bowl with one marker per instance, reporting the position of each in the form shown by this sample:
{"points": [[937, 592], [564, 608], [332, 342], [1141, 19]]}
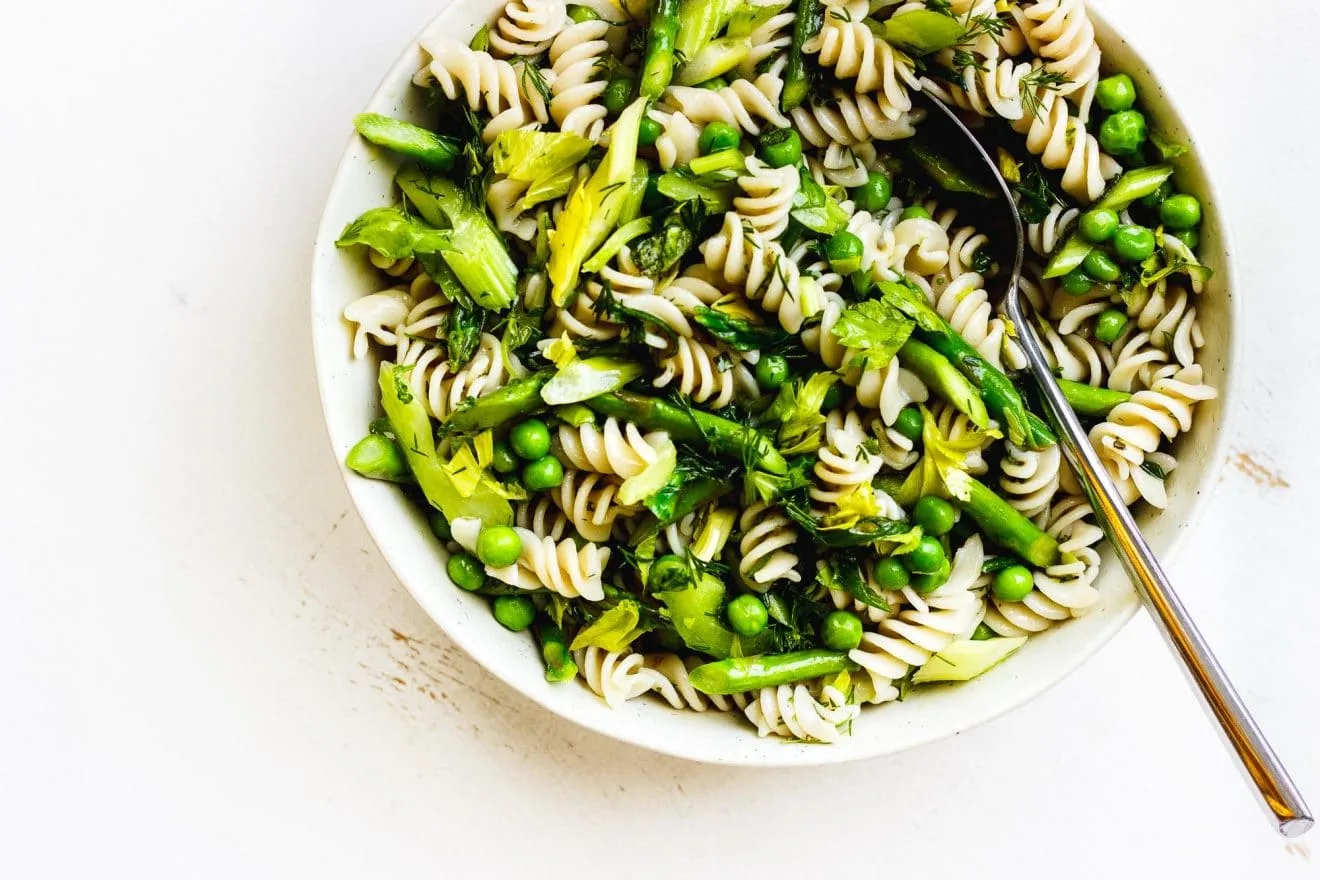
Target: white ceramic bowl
{"points": [[349, 395]]}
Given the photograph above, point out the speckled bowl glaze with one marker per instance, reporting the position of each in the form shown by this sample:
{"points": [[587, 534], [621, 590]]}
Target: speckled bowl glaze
{"points": [[349, 395]]}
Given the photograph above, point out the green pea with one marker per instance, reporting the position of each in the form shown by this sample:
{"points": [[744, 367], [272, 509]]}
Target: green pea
{"points": [[618, 93], [669, 572], [1098, 225], [649, 132], [714, 84], [1155, 199], [465, 571], [982, 633], [1124, 132], [909, 422], [1189, 237], [530, 439], [780, 147], [439, 525], [579, 14], [771, 371], [935, 515], [929, 583], [841, 631], [1134, 243], [891, 575], [926, 557], [718, 136], [544, 473], [844, 251], [1100, 267], [503, 459], [1110, 325], [499, 546], [1077, 282], [1115, 93], [1013, 584], [833, 398], [1180, 212], [747, 615], [916, 212], [874, 195], [514, 613]]}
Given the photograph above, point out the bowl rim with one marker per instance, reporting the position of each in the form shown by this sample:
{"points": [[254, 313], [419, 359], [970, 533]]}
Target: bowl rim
{"points": [[475, 647]]}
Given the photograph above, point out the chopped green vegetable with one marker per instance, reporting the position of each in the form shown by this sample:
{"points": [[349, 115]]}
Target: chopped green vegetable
{"points": [[964, 660], [407, 139], [584, 379], [614, 630], [393, 233], [716, 58], [738, 333], [737, 675], [946, 175], [799, 410], [594, 208], [923, 31], [875, 330], [472, 246], [378, 457], [413, 428], [546, 160]]}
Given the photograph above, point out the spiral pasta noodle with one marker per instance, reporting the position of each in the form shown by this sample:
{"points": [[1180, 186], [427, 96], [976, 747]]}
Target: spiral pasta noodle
{"points": [[618, 677], [1061, 591], [764, 272], [1030, 477], [480, 80], [1136, 427], [1062, 33], [677, 143], [442, 388], [850, 120], [678, 691], [526, 27], [766, 547], [616, 448], [794, 711], [916, 633], [1045, 236], [541, 518], [745, 104], [767, 196], [577, 83], [559, 566], [842, 464], [846, 45], [1063, 144], [695, 369], [590, 502]]}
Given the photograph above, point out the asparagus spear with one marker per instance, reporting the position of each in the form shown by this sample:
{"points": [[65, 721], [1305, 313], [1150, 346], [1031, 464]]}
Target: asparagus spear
{"points": [[721, 435], [658, 65], [940, 376], [1133, 185], [1004, 525], [425, 146], [379, 458], [739, 674], [559, 665], [1091, 402], [519, 397], [1000, 396], [810, 16]]}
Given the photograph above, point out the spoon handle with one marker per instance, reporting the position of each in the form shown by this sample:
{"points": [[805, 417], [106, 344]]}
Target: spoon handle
{"points": [[1244, 737]]}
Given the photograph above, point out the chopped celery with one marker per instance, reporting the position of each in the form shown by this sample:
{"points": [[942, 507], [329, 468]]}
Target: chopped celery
{"points": [[717, 58], [584, 379], [963, 660], [413, 428], [595, 206], [652, 478], [923, 31], [473, 248], [546, 160], [621, 236]]}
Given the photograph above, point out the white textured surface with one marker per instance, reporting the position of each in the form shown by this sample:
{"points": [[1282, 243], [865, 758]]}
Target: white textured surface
{"points": [[206, 669]]}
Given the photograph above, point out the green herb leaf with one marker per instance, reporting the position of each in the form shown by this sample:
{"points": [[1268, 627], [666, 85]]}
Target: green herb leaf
{"points": [[798, 408], [393, 233], [613, 631], [876, 329]]}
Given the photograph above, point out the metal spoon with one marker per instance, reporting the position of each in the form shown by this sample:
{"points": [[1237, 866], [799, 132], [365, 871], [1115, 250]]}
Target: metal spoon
{"points": [[1276, 789]]}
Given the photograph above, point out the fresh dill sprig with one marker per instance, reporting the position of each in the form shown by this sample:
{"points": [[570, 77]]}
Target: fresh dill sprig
{"points": [[1031, 86]]}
